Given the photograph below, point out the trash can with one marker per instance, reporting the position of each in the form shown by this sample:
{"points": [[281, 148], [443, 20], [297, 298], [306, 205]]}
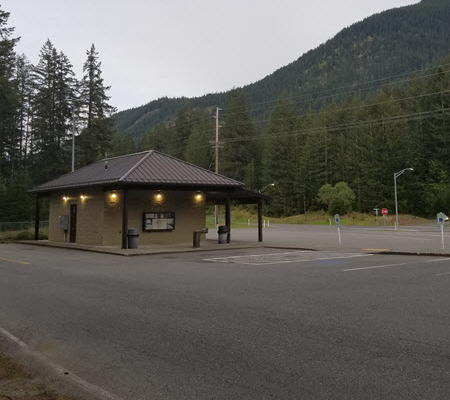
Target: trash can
{"points": [[196, 239], [133, 238], [223, 233]]}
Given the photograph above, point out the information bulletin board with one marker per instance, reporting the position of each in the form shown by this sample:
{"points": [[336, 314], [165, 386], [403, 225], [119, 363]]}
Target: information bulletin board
{"points": [[158, 221]]}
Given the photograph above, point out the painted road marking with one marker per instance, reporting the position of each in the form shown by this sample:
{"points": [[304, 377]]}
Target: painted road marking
{"points": [[284, 258], [94, 390], [373, 267], [15, 261], [440, 259], [444, 273], [376, 249], [382, 235]]}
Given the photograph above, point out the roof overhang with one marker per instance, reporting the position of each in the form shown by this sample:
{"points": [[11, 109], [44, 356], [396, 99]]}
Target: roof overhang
{"points": [[238, 196]]}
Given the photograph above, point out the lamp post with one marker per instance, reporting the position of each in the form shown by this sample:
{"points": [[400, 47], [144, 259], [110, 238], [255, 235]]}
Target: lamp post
{"points": [[396, 175], [265, 187]]}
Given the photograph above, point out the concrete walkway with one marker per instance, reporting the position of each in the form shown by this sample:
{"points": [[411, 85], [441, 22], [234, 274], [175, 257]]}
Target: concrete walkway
{"points": [[205, 245]]}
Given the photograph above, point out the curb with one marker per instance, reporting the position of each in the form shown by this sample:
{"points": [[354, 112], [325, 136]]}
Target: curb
{"points": [[122, 254], [410, 253]]}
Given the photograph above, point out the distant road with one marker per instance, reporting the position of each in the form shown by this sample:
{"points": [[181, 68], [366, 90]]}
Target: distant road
{"points": [[425, 238]]}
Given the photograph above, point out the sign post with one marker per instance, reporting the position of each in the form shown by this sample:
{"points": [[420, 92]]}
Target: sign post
{"points": [[337, 221], [376, 214], [440, 220], [384, 211]]}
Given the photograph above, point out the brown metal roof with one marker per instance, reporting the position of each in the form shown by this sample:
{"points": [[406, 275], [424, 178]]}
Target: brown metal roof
{"points": [[148, 167]]}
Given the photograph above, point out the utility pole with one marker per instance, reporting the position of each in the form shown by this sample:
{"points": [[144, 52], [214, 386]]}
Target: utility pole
{"points": [[216, 208], [73, 138]]}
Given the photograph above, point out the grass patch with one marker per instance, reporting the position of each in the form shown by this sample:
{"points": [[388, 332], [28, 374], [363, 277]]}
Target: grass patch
{"points": [[240, 217], [11, 370], [17, 384], [11, 236]]}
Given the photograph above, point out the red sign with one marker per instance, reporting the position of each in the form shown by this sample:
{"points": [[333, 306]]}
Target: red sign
{"points": [[384, 211]]}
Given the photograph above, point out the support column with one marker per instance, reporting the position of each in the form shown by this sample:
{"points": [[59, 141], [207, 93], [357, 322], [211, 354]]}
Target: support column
{"points": [[228, 218], [36, 221], [124, 219], [260, 227]]}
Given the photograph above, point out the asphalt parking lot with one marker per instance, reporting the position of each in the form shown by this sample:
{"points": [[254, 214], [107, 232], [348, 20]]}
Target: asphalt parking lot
{"points": [[248, 324], [424, 238]]}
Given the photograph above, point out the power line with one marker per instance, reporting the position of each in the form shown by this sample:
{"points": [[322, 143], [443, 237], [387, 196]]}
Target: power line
{"points": [[352, 85], [348, 108], [328, 128], [332, 128], [339, 94]]}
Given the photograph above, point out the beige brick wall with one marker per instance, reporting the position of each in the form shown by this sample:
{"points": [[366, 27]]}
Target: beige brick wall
{"points": [[99, 216], [89, 216], [189, 216]]}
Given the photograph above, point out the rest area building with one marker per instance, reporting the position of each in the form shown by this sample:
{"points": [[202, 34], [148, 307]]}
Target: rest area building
{"points": [[164, 198]]}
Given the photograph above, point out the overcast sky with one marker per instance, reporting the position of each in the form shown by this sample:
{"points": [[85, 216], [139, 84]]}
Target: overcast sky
{"points": [[155, 48]]}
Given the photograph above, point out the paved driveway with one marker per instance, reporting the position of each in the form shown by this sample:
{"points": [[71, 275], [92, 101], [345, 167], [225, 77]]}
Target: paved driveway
{"points": [[251, 324], [425, 238]]}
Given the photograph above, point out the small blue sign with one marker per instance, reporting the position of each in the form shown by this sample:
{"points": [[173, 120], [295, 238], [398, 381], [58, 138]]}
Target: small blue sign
{"points": [[337, 220], [441, 218]]}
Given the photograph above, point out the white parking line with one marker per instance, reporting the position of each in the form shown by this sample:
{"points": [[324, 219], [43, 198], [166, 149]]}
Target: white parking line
{"points": [[257, 255], [282, 258], [373, 267], [444, 273], [440, 259]]}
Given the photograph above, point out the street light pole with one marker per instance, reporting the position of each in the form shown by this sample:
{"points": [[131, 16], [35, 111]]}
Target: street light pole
{"points": [[396, 175], [265, 187]]}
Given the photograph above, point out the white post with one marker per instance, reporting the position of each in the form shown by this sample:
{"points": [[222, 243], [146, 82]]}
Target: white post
{"points": [[396, 205], [329, 219], [264, 224], [442, 235], [249, 222], [339, 236], [268, 223]]}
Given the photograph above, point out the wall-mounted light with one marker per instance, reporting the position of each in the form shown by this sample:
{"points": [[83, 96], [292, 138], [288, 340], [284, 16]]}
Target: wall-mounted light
{"points": [[82, 197], [198, 197], [113, 196], [65, 198], [159, 197]]}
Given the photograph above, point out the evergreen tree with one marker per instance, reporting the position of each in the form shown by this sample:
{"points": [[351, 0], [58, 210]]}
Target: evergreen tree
{"points": [[280, 161], [8, 98], [52, 113], [239, 153], [199, 149], [24, 80], [98, 127]]}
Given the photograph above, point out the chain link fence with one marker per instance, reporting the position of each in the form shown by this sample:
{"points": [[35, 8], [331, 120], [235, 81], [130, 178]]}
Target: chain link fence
{"points": [[21, 226]]}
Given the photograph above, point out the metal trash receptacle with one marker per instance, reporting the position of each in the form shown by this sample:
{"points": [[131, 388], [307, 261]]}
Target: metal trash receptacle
{"points": [[223, 233], [133, 238]]}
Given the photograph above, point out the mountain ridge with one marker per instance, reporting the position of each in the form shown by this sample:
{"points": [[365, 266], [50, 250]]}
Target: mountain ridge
{"points": [[388, 43]]}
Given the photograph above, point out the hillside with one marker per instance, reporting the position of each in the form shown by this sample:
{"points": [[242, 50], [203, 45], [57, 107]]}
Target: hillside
{"points": [[389, 43]]}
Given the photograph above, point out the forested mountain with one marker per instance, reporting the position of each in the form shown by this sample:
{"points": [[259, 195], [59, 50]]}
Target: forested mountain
{"points": [[329, 130], [386, 44]]}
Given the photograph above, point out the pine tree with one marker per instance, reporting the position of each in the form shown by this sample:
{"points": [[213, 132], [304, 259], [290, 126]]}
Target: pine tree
{"points": [[8, 98], [280, 159], [24, 110], [199, 149], [52, 112], [239, 154], [98, 127]]}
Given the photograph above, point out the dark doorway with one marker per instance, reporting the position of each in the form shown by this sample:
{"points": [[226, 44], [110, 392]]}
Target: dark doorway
{"points": [[73, 223]]}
